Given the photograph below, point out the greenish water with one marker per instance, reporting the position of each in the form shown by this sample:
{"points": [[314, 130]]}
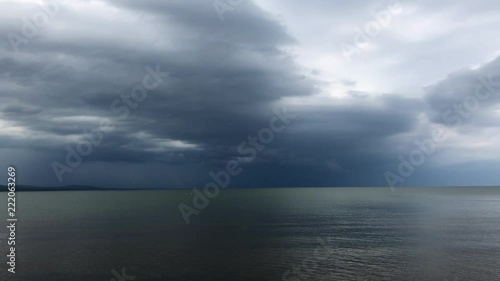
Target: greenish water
{"points": [[259, 234]]}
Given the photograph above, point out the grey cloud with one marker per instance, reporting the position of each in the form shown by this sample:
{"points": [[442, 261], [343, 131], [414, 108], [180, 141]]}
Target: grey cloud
{"points": [[225, 79], [471, 95]]}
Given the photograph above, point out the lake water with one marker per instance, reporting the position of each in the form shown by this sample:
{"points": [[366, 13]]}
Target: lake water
{"points": [[258, 234]]}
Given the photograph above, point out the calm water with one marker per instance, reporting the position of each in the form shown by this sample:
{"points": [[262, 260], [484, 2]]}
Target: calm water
{"points": [[260, 234]]}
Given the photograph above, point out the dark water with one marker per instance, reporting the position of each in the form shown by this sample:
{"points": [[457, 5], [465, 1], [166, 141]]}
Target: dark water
{"points": [[261, 234]]}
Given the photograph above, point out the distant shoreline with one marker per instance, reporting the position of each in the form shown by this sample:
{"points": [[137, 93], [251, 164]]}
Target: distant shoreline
{"points": [[29, 188], [22, 188]]}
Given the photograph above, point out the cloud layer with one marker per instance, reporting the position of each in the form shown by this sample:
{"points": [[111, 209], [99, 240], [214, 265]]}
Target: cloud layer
{"points": [[226, 79]]}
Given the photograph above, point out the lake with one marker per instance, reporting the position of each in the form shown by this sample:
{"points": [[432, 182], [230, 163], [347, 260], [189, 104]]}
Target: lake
{"points": [[258, 234]]}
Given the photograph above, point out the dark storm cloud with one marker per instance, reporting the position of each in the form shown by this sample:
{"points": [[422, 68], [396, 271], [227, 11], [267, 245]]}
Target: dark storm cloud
{"points": [[356, 137], [223, 81]]}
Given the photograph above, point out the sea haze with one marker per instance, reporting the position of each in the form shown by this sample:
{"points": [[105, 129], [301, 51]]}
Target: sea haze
{"points": [[260, 234]]}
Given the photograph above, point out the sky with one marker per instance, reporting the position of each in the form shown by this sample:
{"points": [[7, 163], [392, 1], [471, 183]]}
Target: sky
{"points": [[250, 93]]}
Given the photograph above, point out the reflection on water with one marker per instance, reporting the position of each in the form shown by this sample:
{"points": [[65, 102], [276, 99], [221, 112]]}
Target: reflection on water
{"points": [[261, 234]]}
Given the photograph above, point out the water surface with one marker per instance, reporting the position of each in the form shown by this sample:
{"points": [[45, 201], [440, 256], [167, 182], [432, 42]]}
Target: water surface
{"points": [[259, 234]]}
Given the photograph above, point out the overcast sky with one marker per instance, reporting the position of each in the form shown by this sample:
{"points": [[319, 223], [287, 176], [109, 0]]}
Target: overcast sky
{"points": [[381, 93]]}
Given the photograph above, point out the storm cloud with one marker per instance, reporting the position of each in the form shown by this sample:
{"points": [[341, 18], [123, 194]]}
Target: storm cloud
{"points": [[220, 81]]}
